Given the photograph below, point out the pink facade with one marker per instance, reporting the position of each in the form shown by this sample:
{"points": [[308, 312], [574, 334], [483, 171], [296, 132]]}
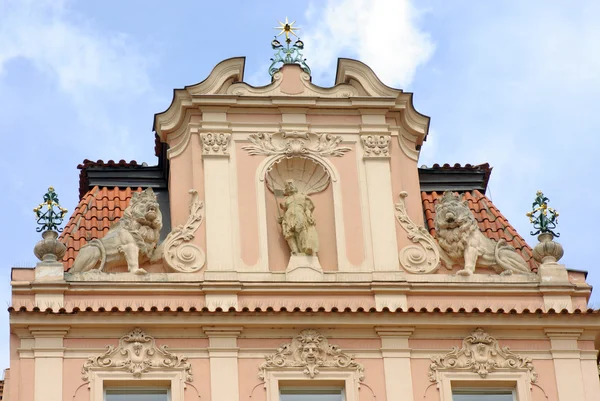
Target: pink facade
{"points": [[374, 314]]}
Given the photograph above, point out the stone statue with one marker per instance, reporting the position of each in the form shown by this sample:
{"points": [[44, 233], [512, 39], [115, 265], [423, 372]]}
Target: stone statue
{"points": [[133, 240], [297, 222], [461, 240]]}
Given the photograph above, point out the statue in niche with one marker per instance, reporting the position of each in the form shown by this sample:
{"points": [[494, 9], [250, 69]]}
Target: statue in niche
{"points": [[297, 222]]}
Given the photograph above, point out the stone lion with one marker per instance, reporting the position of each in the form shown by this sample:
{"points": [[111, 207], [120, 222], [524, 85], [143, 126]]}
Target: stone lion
{"points": [[461, 240], [133, 240]]}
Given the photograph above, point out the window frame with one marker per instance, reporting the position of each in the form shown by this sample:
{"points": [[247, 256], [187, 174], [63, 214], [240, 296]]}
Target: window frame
{"points": [[313, 388], [515, 381], [275, 380], [98, 382], [137, 387], [482, 390]]}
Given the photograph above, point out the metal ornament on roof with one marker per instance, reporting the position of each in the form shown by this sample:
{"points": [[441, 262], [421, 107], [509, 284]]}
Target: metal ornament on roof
{"points": [[288, 53], [543, 218], [49, 213]]}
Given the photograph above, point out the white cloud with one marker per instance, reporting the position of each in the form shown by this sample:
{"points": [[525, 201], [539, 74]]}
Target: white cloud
{"points": [[383, 34], [62, 43], [95, 73]]}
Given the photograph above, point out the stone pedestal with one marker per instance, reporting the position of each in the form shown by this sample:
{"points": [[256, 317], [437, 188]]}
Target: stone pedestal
{"points": [[304, 268]]}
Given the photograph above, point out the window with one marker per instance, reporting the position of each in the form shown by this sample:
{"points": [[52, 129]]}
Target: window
{"points": [[136, 394], [483, 395], [311, 394]]}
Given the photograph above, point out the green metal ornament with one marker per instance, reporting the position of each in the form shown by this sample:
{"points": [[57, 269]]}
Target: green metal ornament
{"points": [[543, 218], [49, 213]]}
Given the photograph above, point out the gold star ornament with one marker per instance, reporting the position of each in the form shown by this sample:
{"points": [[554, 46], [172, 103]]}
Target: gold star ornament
{"points": [[286, 28]]}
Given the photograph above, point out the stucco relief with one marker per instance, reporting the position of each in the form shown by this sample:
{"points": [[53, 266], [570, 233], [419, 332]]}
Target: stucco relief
{"points": [[461, 241], [133, 240], [480, 353], [137, 354], [215, 143], [376, 146], [178, 251], [292, 144], [310, 351], [422, 258]]}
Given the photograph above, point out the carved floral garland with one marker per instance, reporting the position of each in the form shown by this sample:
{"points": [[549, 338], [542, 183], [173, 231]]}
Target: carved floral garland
{"points": [[179, 253], [310, 350], [481, 354], [295, 144], [424, 258], [137, 353]]}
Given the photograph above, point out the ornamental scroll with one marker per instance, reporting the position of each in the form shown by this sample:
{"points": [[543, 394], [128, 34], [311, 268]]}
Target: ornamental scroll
{"points": [[480, 353], [310, 351], [179, 254], [423, 258], [137, 354]]}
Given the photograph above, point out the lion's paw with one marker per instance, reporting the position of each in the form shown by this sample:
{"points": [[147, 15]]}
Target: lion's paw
{"points": [[140, 272], [464, 272], [506, 273]]}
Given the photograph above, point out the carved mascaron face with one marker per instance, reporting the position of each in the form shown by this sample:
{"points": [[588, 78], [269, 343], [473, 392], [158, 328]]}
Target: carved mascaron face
{"points": [[310, 352]]}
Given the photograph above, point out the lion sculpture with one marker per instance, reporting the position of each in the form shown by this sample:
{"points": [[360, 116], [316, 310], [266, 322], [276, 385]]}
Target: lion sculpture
{"points": [[133, 240], [461, 240]]}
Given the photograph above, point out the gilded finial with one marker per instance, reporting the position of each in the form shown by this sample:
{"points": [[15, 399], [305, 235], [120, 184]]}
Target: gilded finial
{"points": [[543, 218], [288, 54], [54, 214]]}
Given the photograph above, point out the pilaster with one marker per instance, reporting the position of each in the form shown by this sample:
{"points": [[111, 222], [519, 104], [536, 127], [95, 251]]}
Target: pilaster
{"points": [[567, 363], [396, 362], [48, 354], [223, 356], [376, 158], [216, 142]]}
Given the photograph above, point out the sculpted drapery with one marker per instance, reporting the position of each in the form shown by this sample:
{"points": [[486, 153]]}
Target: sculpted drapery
{"points": [[297, 222]]}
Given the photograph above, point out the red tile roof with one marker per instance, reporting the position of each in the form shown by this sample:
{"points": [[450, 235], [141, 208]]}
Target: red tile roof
{"points": [[491, 222], [97, 210]]}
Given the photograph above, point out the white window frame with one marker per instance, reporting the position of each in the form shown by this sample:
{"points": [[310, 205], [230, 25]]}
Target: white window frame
{"points": [[275, 378], [98, 379], [314, 388], [484, 390], [136, 387], [516, 381]]}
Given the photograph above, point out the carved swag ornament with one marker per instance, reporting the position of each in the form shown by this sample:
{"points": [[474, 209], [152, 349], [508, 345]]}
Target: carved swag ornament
{"points": [[137, 353], [295, 144], [480, 353], [310, 350]]}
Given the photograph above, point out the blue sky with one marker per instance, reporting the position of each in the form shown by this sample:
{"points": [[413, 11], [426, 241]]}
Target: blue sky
{"points": [[512, 83]]}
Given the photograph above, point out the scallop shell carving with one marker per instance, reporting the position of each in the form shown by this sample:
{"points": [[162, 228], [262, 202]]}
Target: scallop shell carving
{"points": [[309, 176]]}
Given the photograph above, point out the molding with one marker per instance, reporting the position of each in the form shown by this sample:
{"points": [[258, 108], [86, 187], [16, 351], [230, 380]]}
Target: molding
{"points": [[480, 353], [215, 143], [290, 144], [376, 146], [137, 353], [310, 351], [421, 259], [179, 254], [309, 89]]}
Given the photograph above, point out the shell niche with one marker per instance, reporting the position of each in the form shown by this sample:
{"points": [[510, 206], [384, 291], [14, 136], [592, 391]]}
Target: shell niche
{"points": [[309, 176]]}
